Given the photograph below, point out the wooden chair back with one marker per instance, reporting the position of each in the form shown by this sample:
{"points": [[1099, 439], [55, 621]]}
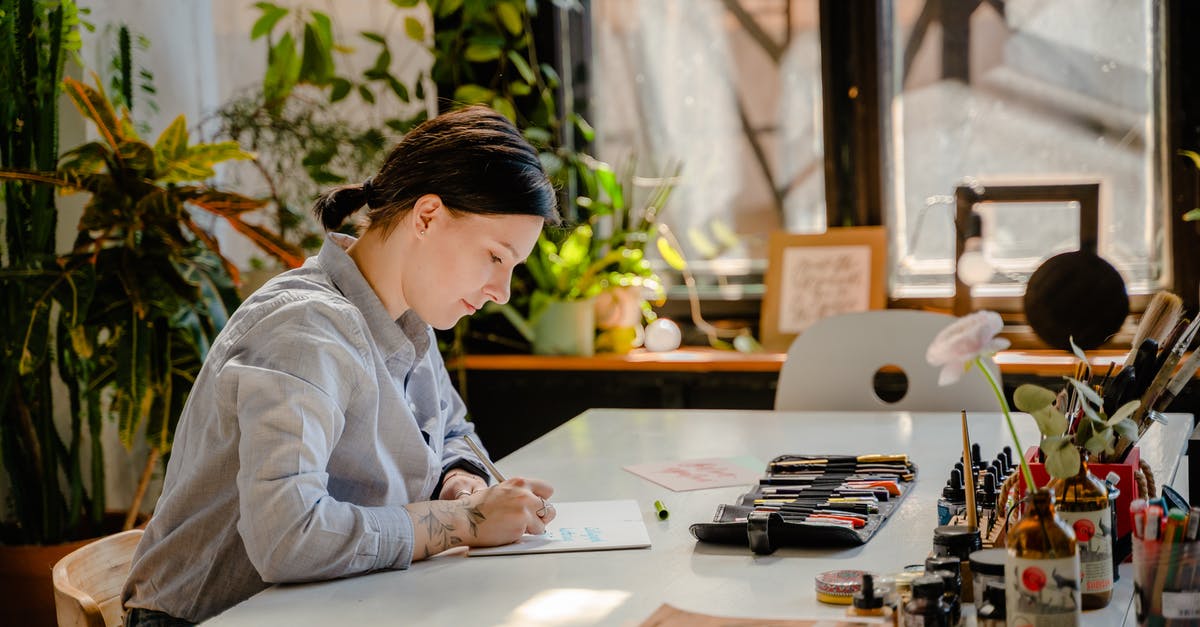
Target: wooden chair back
{"points": [[89, 580]]}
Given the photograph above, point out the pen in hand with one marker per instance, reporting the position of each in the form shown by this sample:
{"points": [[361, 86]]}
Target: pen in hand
{"points": [[484, 458]]}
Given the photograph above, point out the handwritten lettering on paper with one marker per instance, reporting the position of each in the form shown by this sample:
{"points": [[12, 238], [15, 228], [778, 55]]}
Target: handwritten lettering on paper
{"points": [[821, 281]]}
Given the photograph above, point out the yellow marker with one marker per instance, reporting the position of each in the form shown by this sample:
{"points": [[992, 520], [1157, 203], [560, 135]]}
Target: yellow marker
{"points": [[662, 510]]}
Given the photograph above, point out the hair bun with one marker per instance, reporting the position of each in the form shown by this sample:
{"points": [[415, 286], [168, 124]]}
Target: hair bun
{"points": [[334, 206]]}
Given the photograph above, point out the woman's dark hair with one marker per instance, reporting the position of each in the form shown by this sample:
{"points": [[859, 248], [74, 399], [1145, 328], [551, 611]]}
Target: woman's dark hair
{"points": [[473, 158]]}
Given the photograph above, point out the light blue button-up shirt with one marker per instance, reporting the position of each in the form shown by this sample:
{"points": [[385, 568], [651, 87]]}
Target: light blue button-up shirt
{"points": [[315, 419]]}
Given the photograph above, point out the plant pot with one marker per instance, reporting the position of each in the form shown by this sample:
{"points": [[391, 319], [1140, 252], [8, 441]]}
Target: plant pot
{"points": [[565, 327], [1125, 470], [26, 577]]}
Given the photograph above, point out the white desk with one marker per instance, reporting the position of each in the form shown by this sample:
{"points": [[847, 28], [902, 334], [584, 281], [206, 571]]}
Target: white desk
{"points": [[583, 458]]}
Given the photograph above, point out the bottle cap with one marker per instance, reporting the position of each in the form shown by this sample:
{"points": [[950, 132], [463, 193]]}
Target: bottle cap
{"points": [[838, 586], [928, 587], [956, 540], [951, 579], [989, 562], [942, 562], [865, 598]]}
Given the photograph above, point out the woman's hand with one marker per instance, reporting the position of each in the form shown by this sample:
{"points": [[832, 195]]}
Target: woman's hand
{"points": [[502, 513], [459, 483], [490, 516]]}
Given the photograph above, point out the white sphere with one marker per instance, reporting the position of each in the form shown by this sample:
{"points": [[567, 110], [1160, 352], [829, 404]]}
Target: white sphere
{"points": [[662, 335], [974, 269]]}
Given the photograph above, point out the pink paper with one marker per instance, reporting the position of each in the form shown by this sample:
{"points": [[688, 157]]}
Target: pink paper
{"points": [[696, 474]]}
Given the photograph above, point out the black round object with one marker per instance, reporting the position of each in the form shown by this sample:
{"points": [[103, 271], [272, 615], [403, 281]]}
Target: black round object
{"points": [[1076, 295]]}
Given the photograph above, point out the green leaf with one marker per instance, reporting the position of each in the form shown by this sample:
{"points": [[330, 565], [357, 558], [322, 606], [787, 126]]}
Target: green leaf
{"points": [[93, 104], [1086, 391], [1126, 428], [373, 36], [585, 129], [172, 143], [270, 17], [316, 62], [505, 108], [406, 4], [1038, 402], [1123, 412], [673, 257], [398, 88], [1100, 441], [522, 66], [324, 27], [510, 17], [537, 135], [341, 89], [724, 234], [447, 7], [1079, 354], [414, 29], [519, 88], [1192, 215], [1194, 156], [473, 94], [481, 53], [283, 70], [551, 75], [608, 182], [366, 94], [1062, 458]]}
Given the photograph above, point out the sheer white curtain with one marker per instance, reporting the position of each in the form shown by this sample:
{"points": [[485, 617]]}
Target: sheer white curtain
{"points": [[663, 95], [738, 105]]}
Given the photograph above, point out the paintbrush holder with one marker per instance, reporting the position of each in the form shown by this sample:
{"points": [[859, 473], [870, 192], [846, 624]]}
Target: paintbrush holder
{"points": [[1126, 470]]}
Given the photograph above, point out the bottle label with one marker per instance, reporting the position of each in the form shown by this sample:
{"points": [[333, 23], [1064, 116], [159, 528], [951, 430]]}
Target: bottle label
{"points": [[1094, 539], [1181, 605], [1042, 592]]}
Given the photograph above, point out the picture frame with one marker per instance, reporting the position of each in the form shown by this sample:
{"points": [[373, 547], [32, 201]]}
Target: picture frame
{"points": [[811, 276]]}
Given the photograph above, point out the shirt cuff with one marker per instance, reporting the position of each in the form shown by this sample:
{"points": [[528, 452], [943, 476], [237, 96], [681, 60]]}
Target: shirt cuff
{"points": [[395, 537], [462, 463]]}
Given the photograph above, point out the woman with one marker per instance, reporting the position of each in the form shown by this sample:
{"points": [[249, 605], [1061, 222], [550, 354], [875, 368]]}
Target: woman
{"points": [[323, 437]]}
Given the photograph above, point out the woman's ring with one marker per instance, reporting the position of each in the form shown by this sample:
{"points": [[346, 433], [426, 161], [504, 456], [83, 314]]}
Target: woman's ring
{"points": [[541, 513], [460, 493]]}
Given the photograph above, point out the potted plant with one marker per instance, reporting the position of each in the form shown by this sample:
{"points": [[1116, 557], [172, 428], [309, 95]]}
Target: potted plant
{"points": [[604, 253], [127, 314]]}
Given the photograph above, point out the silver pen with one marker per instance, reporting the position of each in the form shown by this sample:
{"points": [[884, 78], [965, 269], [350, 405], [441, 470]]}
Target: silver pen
{"points": [[484, 458]]}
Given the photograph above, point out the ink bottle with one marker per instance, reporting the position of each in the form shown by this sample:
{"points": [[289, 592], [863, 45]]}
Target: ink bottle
{"points": [[1082, 503], [950, 597], [926, 608], [1041, 574], [867, 601], [959, 542]]}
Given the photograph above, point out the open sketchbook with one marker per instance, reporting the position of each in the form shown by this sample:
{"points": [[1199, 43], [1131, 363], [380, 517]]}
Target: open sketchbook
{"points": [[582, 526]]}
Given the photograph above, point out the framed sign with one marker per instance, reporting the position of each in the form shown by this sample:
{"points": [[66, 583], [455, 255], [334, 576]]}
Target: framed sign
{"points": [[810, 277]]}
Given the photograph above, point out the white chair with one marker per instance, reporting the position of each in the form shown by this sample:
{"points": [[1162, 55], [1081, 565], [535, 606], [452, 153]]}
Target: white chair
{"points": [[832, 366], [89, 580]]}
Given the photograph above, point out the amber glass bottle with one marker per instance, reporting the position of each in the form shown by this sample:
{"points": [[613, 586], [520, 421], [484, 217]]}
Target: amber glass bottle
{"points": [[1082, 503], [1041, 574]]}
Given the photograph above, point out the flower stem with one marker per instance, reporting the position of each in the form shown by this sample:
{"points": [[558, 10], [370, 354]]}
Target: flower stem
{"points": [[987, 374]]}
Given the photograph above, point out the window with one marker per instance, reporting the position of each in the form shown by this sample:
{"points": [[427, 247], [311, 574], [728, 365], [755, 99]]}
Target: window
{"points": [[732, 90], [1023, 91]]}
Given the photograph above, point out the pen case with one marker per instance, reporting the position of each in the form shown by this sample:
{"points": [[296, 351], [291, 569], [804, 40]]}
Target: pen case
{"points": [[822, 475]]}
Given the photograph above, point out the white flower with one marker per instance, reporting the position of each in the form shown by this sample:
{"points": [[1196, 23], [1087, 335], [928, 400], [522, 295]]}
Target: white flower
{"points": [[958, 345]]}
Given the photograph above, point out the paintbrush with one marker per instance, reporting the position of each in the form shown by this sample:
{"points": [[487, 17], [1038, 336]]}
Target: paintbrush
{"points": [[1160, 317], [972, 513]]}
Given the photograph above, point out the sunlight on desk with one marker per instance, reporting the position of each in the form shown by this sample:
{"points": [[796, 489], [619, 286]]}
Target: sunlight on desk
{"points": [[567, 606]]}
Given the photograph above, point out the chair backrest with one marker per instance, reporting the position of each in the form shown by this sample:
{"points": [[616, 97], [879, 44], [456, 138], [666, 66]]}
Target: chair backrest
{"points": [[89, 580], [832, 365]]}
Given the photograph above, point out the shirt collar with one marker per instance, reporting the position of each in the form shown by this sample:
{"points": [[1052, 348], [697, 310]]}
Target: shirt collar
{"points": [[407, 335]]}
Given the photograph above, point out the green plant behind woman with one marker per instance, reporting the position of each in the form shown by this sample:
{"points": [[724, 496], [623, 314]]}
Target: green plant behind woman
{"points": [[134, 306]]}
